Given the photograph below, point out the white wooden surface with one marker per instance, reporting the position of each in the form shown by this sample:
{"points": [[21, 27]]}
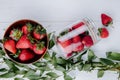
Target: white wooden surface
{"points": [[56, 14]]}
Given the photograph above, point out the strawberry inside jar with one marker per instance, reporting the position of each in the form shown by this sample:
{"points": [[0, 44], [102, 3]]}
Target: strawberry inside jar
{"points": [[78, 37]]}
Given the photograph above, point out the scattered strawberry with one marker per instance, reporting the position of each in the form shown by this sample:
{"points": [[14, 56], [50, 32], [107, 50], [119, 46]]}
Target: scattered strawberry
{"points": [[106, 20], [10, 46], [66, 43], [103, 32], [16, 34], [26, 55], [39, 48], [76, 39], [27, 28], [23, 42], [87, 41], [79, 48], [69, 55], [77, 25], [39, 33]]}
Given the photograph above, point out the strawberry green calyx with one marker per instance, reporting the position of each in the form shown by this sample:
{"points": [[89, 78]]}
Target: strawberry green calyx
{"points": [[40, 30], [40, 45], [16, 34], [29, 27]]}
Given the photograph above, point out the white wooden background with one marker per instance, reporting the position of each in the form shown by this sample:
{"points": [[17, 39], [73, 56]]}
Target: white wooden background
{"points": [[56, 14]]}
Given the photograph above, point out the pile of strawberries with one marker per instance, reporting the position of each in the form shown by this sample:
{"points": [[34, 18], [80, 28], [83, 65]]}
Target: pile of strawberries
{"points": [[83, 40], [26, 42]]}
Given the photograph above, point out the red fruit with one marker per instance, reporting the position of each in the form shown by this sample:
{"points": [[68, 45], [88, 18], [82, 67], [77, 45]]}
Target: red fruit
{"points": [[79, 48], [77, 25], [27, 28], [39, 51], [106, 20], [103, 32], [69, 55], [24, 29], [66, 43], [26, 55], [23, 42], [38, 35], [10, 46], [16, 34], [76, 39], [87, 41]]}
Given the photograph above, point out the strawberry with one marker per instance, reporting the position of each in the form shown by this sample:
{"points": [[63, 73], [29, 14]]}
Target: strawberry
{"points": [[103, 32], [16, 34], [77, 25], [76, 39], [106, 20], [10, 46], [26, 55], [23, 42], [39, 48], [27, 28], [87, 41], [79, 48], [39, 33], [66, 43]]}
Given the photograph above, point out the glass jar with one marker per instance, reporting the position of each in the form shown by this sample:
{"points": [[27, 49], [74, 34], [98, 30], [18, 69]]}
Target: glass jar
{"points": [[78, 37]]}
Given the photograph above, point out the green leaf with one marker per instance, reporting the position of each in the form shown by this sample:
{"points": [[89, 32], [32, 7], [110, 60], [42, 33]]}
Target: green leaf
{"points": [[18, 79], [52, 74], [47, 56], [7, 75], [29, 73], [113, 55], [91, 55], [60, 68], [3, 70], [21, 72], [80, 66], [100, 73], [106, 61], [67, 77], [87, 67], [51, 44], [81, 54], [61, 61], [40, 64], [11, 65]]}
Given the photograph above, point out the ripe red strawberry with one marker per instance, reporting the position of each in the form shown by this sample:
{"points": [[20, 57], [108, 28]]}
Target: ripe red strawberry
{"points": [[38, 36], [39, 48], [27, 28], [103, 32], [10, 46], [76, 39], [106, 20], [26, 55], [39, 33], [87, 41], [24, 29], [66, 43], [16, 34], [79, 48], [77, 25], [23, 42]]}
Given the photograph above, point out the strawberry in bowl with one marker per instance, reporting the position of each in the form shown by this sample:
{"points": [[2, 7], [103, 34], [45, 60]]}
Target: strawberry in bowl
{"points": [[25, 41]]}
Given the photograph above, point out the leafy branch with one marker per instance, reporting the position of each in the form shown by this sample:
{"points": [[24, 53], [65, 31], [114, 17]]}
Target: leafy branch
{"points": [[45, 68]]}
